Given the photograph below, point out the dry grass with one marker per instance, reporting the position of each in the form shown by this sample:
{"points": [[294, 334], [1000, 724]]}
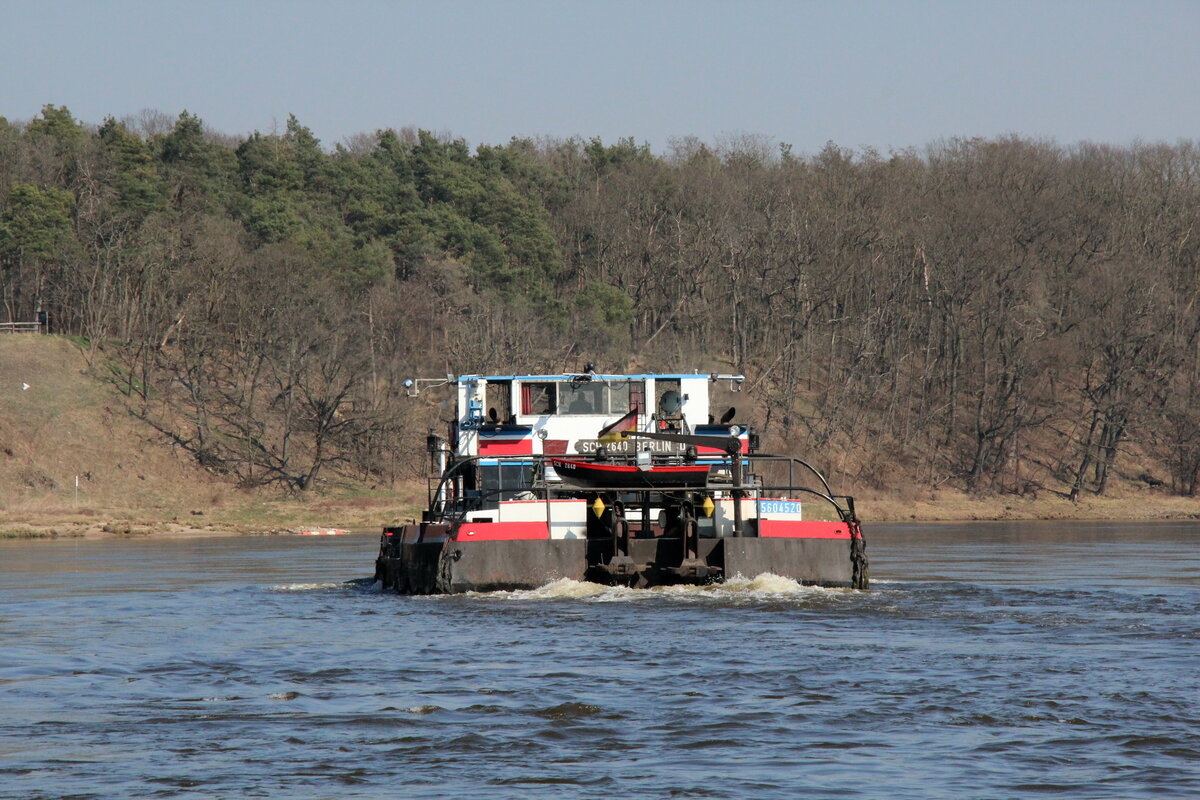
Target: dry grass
{"points": [[71, 422], [946, 505]]}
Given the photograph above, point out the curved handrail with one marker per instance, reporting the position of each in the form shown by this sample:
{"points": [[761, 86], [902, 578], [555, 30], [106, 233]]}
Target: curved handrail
{"points": [[842, 513], [462, 461], [801, 462]]}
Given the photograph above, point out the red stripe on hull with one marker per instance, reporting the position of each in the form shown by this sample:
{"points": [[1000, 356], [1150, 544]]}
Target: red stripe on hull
{"points": [[785, 529], [502, 531], [505, 447]]}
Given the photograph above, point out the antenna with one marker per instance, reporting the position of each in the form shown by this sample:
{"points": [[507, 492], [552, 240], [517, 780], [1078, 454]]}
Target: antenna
{"points": [[412, 386]]}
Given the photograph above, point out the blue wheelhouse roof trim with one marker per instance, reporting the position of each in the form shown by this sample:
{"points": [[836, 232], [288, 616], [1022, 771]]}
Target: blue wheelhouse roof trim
{"points": [[570, 376]]}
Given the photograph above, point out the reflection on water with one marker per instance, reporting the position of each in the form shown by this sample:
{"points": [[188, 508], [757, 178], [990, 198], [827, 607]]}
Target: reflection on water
{"points": [[997, 660]]}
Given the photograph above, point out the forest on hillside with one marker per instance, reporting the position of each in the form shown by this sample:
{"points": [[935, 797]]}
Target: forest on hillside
{"points": [[998, 315]]}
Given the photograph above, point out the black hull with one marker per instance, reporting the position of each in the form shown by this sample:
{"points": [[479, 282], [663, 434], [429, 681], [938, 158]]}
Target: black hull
{"points": [[453, 568], [446, 566]]}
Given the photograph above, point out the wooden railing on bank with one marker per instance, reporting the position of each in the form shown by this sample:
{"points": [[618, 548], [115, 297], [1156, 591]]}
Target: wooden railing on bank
{"points": [[20, 327]]}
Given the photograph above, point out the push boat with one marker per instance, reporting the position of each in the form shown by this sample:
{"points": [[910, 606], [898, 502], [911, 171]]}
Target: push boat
{"points": [[545, 477]]}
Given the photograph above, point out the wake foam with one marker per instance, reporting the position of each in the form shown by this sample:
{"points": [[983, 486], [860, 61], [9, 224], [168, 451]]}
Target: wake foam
{"points": [[766, 586], [306, 587]]}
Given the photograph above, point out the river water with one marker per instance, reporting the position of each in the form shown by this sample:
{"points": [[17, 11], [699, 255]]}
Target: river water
{"points": [[989, 660]]}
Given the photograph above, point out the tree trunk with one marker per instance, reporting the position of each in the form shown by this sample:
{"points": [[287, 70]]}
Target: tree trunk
{"points": [[1086, 462]]}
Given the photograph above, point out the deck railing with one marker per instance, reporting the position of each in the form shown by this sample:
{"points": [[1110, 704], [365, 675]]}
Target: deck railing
{"points": [[754, 490]]}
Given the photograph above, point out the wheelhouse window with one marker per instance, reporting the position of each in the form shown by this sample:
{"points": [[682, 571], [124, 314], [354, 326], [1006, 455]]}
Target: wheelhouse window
{"points": [[584, 397], [600, 397], [596, 397], [504, 482], [538, 398], [624, 396], [499, 401]]}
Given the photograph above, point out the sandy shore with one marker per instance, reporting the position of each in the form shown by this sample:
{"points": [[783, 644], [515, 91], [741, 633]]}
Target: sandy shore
{"points": [[951, 506], [121, 530], [235, 514]]}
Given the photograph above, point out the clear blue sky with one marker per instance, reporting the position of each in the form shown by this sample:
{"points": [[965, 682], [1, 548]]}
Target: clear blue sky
{"points": [[880, 74]]}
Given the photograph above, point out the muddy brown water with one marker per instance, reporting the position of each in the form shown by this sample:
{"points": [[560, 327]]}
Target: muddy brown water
{"points": [[989, 660]]}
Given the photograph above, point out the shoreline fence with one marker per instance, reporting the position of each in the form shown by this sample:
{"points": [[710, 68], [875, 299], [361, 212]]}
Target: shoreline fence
{"points": [[20, 327]]}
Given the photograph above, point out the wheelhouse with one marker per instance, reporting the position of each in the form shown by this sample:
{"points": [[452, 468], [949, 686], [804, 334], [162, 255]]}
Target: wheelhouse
{"points": [[505, 422]]}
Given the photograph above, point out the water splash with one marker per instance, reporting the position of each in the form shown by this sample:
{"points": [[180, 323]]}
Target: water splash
{"points": [[306, 587], [423, 710], [760, 587], [765, 583], [561, 588]]}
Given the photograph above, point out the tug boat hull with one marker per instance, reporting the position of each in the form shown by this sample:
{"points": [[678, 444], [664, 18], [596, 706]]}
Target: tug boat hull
{"points": [[546, 477], [442, 565], [449, 567]]}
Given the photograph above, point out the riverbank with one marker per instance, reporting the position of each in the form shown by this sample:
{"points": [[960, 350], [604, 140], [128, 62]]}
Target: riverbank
{"points": [[229, 514], [77, 461], [249, 515], [956, 506]]}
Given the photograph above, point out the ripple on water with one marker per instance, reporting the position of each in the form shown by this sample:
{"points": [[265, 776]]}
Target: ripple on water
{"points": [[565, 711]]}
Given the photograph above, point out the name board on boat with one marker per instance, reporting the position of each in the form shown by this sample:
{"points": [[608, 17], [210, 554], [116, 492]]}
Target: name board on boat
{"points": [[631, 446]]}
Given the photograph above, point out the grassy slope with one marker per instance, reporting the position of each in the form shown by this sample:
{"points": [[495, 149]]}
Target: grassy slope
{"points": [[72, 422]]}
